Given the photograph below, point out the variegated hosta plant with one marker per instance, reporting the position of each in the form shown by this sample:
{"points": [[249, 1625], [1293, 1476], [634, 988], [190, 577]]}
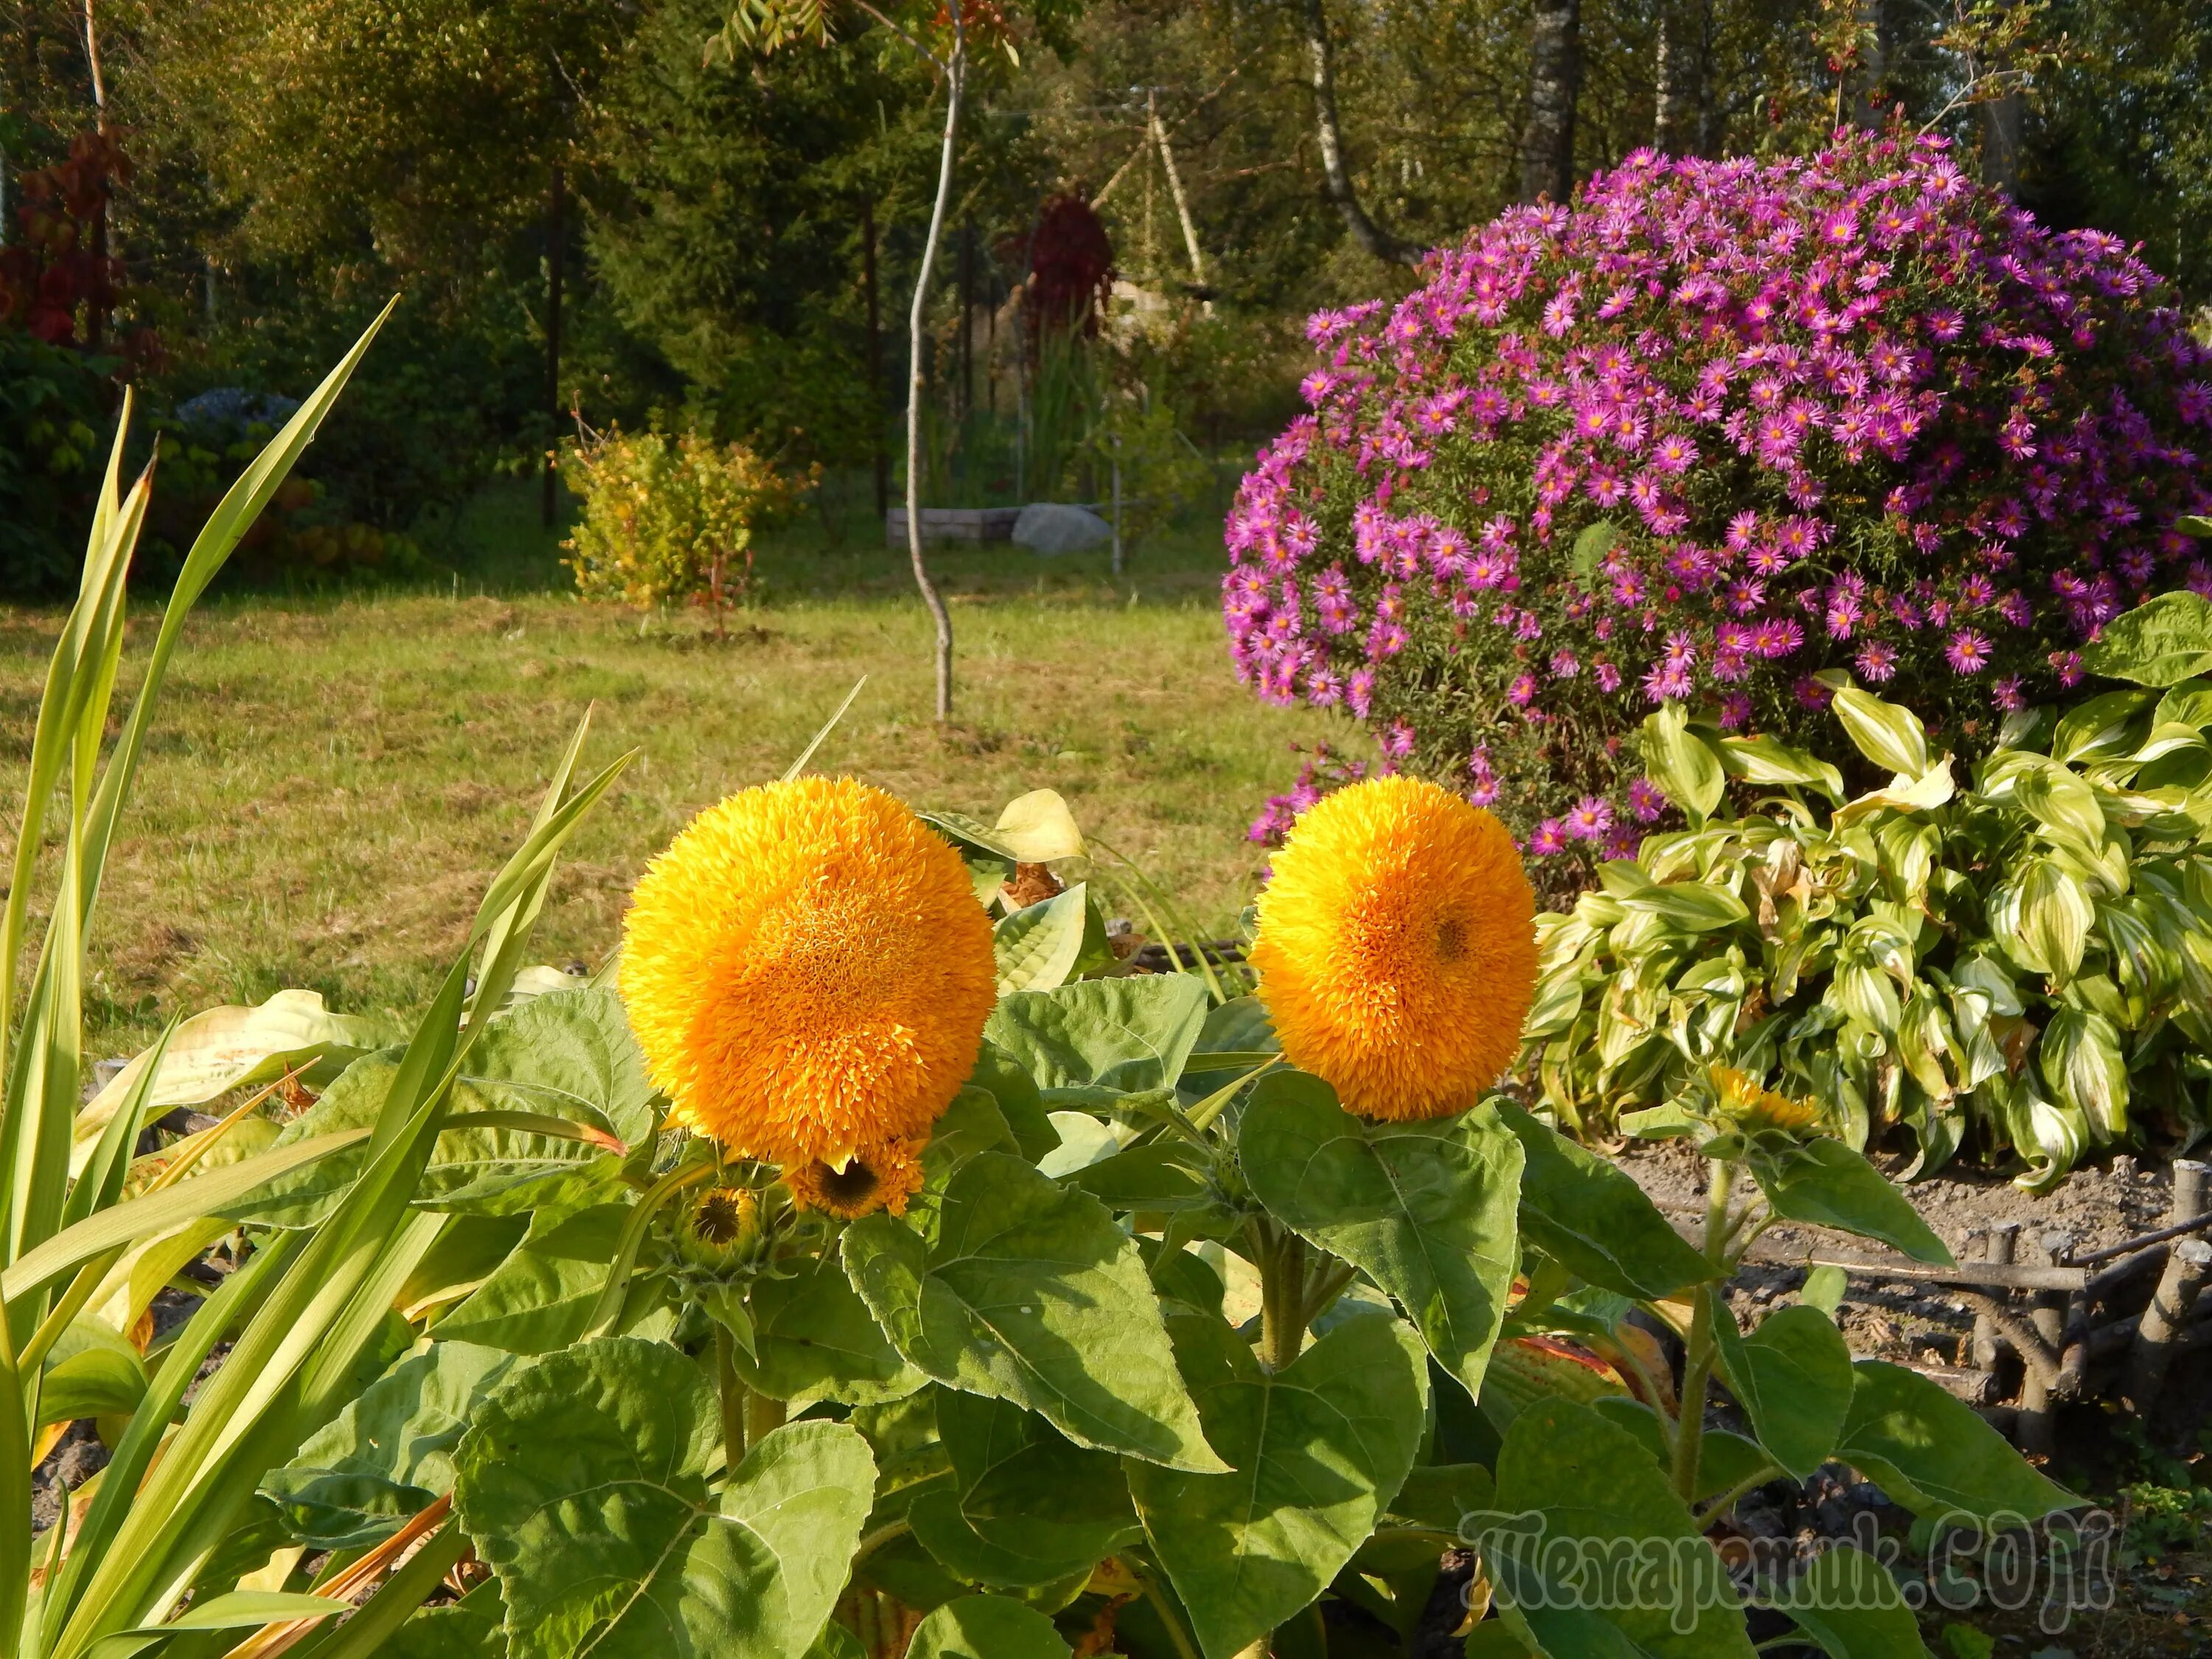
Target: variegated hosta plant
{"points": [[2018, 958]]}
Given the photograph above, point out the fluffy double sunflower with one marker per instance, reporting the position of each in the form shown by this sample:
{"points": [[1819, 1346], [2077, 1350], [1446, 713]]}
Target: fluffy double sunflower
{"points": [[1396, 948], [808, 973]]}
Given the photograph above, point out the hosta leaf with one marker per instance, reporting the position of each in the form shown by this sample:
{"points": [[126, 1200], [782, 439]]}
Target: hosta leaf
{"points": [[2163, 642], [1690, 905], [1029, 1292], [2081, 1063], [2044, 924], [1124, 1033], [584, 1485], [389, 1452], [1037, 828], [1793, 1377], [1593, 1216], [2099, 727], [1934, 1453], [1848, 1602], [986, 1627], [814, 1339], [1887, 733], [1764, 760], [1029, 1507], [1565, 1473], [1827, 1184], [1681, 762], [1427, 1210], [1318, 1449], [2062, 802], [1038, 947]]}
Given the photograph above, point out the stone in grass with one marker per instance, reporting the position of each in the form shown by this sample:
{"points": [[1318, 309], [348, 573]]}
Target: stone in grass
{"points": [[1057, 527]]}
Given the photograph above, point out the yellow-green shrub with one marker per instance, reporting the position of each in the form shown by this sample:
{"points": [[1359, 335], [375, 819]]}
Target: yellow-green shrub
{"points": [[668, 518]]}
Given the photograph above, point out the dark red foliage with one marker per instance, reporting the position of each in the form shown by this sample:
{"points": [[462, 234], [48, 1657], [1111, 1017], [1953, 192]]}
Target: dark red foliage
{"points": [[56, 268], [1071, 267]]}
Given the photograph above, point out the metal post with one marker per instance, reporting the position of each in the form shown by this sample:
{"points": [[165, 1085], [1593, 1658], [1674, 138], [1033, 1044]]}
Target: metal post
{"points": [[1117, 504]]}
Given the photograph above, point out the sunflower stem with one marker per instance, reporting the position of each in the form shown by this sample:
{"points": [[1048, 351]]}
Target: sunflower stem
{"points": [[764, 1416], [733, 1400], [1697, 1359], [1282, 1301]]}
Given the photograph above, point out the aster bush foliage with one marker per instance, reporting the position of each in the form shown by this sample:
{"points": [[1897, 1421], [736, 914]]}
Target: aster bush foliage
{"points": [[2015, 956], [1711, 430]]}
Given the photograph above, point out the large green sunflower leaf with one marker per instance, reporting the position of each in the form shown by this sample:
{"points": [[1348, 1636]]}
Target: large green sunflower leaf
{"points": [[1319, 1448], [1027, 1292], [1028, 1506], [986, 1627], [1121, 1034], [814, 1339], [541, 1296], [583, 1484], [1593, 1218], [1934, 1453], [389, 1452], [1579, 1502], [1426, 1209], [1847, 1601], [1793, 1375]]}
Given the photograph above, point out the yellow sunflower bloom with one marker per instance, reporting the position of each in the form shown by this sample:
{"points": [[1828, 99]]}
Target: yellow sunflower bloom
{"points": [[808, 972], [1397, 948], [1750, 1104], [875, 1178]]}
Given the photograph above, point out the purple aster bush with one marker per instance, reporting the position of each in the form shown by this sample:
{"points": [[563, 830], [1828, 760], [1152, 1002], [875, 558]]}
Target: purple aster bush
{"points": [[1717, 434]]}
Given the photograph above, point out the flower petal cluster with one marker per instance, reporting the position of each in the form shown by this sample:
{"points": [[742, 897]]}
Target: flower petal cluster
{"points": [[1396, 947], [808, 973], [1713, 428], [1750, 1105]]}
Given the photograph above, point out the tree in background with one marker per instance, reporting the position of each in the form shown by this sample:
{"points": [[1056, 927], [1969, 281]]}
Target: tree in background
{"points": [[950, 40]]}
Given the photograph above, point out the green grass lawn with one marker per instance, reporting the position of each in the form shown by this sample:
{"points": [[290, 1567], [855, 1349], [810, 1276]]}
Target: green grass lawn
{"points": [[332, 781]]}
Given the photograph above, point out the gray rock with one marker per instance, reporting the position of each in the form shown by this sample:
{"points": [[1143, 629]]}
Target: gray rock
{"points": [[1056, 527]]}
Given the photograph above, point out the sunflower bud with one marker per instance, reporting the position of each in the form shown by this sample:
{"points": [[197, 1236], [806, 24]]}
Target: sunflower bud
{"points": [[1750, 1106], [718, 1227]]}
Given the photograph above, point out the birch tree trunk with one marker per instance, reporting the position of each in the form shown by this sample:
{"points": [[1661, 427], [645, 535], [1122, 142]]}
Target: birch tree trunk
{"points": [[956, 76], [1669, 54], [1336, 172], [1555, 74]]}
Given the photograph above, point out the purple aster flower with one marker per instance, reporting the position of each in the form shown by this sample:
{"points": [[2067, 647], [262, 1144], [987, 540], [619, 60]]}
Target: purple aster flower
{"points": [[1646, 800], [1550, 838], [1876, 661], [1968, 652], [1589, 818]]}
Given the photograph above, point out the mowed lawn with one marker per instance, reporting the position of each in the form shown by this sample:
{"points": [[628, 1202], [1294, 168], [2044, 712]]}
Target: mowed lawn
{"points": [[332, 782]]}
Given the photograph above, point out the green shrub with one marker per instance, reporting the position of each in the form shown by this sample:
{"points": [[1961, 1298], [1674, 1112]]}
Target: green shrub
{"points": [[53, 403], [668, 518]]}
